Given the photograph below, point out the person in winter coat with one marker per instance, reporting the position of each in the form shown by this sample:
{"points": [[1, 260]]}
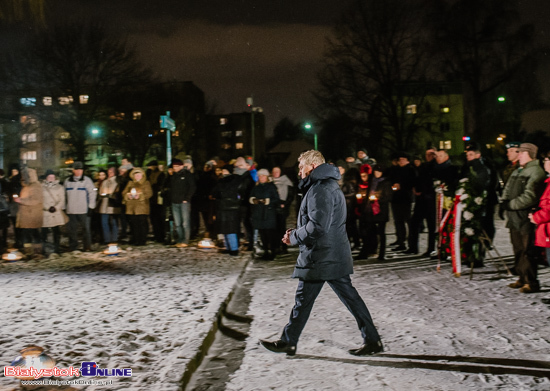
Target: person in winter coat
{"points": [[54, 204], [264, 200], [325, 256], [97, 231], [30, 214], [182, 187], [285, 188], [81, 200], [377, 212], [520, 196], [136, 198], [242, 167], [228, 204], [542, 218], [403, 177], [109, 207]]}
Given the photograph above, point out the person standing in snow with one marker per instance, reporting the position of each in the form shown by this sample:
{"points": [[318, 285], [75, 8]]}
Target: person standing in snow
{"points": [[285, 189], [325, 256]]}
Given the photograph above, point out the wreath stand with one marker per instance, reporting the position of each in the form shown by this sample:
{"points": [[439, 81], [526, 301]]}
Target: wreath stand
{"points": [[487, 245]]}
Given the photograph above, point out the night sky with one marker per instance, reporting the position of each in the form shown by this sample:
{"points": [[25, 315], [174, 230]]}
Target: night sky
{"points": [[234, 48]]}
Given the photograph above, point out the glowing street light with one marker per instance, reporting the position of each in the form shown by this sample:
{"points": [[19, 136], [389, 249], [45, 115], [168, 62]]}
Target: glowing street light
{"points": [[308, 127]]}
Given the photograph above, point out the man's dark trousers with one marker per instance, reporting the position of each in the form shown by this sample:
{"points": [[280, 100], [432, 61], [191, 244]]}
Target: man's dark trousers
{"points": [[307, 292], [424, 208], [401, 217]]}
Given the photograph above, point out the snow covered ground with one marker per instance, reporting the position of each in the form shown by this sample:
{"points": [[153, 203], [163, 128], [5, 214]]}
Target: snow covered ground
{"points": [[440, 332], [151, 309], [148, 310]]}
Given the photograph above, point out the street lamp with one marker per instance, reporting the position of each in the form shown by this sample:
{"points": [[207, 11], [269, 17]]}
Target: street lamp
{"points": [[308, 128]]}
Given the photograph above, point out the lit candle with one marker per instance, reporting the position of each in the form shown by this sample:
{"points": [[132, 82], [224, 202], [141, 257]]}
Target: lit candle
{"points": [[372, 198], [359, 196], [12, 256]]}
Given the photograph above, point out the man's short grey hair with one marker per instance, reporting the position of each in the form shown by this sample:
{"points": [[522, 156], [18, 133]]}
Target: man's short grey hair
{"points": [[311, 157]]}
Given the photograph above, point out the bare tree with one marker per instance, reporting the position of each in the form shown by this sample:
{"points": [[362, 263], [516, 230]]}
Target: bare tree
{"points": [[73, 60], [484, 44], [379, 50], [22, 10]]}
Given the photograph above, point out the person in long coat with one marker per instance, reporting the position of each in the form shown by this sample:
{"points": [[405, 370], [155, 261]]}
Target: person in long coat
{"points": [[30, 214], [265, 199], [325, 256], [228, 205], [377, 212], [108, 207], [54, 203], [136, 198]]}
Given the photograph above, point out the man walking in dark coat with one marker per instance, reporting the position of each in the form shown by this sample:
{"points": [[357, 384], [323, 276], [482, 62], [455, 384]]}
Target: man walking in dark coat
{"points": [[325, 256]]}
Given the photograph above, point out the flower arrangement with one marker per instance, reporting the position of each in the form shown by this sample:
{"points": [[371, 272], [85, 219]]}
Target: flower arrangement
{"points": [[473, 208]]}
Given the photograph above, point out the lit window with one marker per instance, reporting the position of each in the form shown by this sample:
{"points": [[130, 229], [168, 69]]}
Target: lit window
{"points": [[23, 119], [28, 101], [239, 146], [223, 121], [444, 108], [226, 134], [29, 155], [239, 133], [65, 100], [84, 99], [411, 109], [136, 115], [64, 135], [31, 138], [445, 144], [226, 146], [119, 116], [47, 101]]}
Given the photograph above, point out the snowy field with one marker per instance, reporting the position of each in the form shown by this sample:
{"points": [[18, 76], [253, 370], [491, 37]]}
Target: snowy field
{"points": [[148, 310], [440, 332]]}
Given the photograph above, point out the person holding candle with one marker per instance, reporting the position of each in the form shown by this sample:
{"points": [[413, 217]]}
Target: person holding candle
{"points": [[136, 197]]}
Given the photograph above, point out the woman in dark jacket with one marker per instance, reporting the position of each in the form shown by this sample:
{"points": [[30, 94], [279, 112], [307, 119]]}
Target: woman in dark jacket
{"points": [[228, 205], [264, 199]]}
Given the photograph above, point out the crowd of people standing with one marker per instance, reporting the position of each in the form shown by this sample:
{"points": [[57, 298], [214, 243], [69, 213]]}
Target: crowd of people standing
{"points": [[127, 203]]}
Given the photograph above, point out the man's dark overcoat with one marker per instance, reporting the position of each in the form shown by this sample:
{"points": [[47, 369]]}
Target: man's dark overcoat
{"points": [[325, 252]]}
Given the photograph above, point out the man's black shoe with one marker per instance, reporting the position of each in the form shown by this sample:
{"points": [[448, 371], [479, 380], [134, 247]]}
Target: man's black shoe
{"points": [[400, 248], [279, 347], [367, 349], [409, 251], [394, 244], [545, 300]]}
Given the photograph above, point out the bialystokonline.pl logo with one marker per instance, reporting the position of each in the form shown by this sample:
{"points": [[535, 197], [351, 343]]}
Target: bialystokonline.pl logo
{"points": [[87, 370]]}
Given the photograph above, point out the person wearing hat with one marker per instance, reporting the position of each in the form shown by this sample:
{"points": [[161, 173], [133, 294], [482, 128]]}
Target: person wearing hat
{"points": [[520, 196], [228, 204], [512, 154], [182, 186], [80, 201], [403, 177], [156, 179], [53, 206], [264, 199]]}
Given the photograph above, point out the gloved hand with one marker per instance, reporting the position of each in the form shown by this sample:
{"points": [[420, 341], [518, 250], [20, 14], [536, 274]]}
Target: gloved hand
{"points": [[90, 212], [505, 205]]}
